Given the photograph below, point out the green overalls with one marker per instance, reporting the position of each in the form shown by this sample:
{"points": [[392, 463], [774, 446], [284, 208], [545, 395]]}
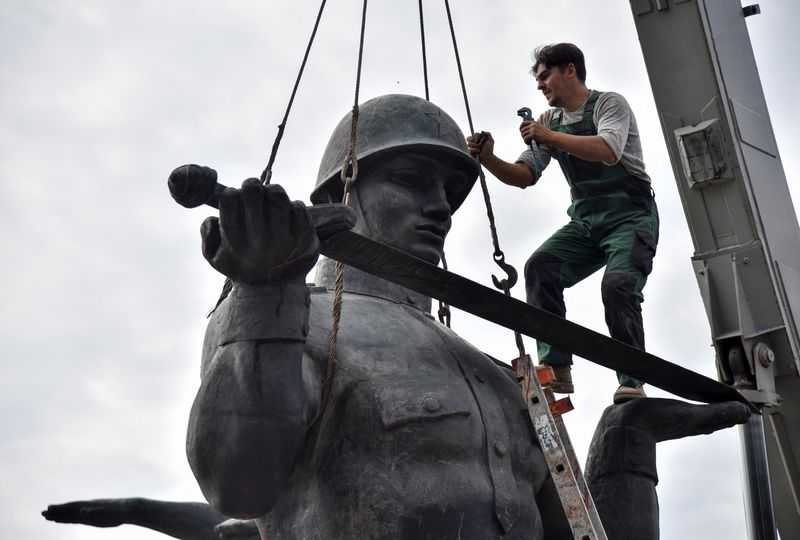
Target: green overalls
{"points": [[614, 223]]}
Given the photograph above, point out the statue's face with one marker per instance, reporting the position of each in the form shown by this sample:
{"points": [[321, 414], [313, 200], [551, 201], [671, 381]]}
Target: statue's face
{"points": [[402, 198]]}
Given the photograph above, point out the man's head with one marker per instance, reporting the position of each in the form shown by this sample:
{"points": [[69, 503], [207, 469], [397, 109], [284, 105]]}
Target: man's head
{"points": [[413, 172], [559, 70]]}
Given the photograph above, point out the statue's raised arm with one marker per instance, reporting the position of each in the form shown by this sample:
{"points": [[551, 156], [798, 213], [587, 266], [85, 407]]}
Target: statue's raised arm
{"points": [[252, 410]]}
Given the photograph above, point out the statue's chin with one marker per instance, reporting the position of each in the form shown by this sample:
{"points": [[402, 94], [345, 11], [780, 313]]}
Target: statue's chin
{"points": [[430, 255]]}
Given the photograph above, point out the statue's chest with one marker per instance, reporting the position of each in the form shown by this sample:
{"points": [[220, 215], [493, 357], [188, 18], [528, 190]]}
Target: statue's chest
{"points": [[408, 386]]}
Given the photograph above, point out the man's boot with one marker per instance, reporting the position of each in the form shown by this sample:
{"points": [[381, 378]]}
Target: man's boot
{"points": [[563, 381], [627, 393]]}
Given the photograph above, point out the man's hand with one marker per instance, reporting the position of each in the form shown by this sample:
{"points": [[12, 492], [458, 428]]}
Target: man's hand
{"points": [[534, 131], [260, 236], [481, 145]]}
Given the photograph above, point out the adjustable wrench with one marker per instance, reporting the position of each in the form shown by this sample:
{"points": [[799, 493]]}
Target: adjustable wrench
{"points": [[526, 115]]}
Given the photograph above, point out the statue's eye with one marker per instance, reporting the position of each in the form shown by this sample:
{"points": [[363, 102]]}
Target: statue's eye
{"points": [[455, 185], [408, 178]]}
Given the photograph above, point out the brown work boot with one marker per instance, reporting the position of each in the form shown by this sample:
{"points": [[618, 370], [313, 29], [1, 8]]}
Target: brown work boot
{"points": [[563, 381], [627, 393]]}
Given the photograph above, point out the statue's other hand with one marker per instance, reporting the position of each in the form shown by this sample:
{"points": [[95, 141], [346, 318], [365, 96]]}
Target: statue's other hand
{"points": [[237, 529], [96, 512], [667, 419], [260, 236]]}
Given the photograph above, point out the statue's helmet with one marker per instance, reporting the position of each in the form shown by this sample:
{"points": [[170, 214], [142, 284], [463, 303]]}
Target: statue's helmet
{"points": [[394, 123]]}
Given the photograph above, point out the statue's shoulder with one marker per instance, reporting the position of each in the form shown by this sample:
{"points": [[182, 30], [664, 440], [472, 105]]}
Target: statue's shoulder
{"points": [[506, 369], [321, 297], [313, 288]]}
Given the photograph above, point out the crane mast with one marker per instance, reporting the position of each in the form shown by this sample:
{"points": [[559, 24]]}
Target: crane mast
{"points": [[743, 226]]}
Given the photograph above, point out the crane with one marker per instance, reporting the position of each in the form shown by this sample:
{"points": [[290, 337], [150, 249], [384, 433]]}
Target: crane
{"points": [[744, 229]]}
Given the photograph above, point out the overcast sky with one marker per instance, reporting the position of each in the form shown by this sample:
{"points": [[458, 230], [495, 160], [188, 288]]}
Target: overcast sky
{"points": [[105, 290]]}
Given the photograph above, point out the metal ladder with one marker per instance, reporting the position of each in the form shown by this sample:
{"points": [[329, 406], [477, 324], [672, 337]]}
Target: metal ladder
{"points": [[545, 414]]}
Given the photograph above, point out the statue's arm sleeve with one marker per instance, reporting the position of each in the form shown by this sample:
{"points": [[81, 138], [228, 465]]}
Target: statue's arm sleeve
{"points": [[250, 415], [554, 520], [183, 520]]}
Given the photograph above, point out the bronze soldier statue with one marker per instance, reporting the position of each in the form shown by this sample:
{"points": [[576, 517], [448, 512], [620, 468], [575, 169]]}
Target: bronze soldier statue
{"points": [[422, 435]]}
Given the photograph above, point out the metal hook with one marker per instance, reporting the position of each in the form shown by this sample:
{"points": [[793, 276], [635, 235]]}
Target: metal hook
{"points": [[504, 284]]}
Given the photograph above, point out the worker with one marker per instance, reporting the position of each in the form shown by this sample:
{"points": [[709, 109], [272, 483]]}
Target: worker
{"points": [[613, 216]]}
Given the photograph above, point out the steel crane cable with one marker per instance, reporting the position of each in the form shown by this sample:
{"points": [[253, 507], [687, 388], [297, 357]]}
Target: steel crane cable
{"points": [[498, 255], [266, 175], [443, 313], [424, 55]]}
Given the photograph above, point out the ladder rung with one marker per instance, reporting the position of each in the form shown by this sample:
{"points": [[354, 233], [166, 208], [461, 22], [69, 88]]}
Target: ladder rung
{"points": [[561, 406]]}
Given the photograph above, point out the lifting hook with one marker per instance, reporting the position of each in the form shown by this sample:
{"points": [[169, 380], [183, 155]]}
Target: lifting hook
{"points": [[506, 283]]}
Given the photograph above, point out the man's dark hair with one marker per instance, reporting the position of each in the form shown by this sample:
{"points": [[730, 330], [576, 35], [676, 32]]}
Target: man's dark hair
{"points": [[560, 55]]}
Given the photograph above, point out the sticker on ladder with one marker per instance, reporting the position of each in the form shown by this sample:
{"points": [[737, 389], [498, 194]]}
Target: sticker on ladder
{"points": [[545, 432]]}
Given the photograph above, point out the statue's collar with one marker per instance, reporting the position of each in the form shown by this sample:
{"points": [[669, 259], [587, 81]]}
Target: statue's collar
{"points": [[358, 282]]}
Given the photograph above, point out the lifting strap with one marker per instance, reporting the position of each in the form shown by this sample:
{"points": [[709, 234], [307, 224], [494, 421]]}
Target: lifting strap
{"points": [[393, 265]]}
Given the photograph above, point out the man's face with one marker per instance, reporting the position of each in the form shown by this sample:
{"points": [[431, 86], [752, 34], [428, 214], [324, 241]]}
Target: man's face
{"points": [[403, 200], [551, 82]]}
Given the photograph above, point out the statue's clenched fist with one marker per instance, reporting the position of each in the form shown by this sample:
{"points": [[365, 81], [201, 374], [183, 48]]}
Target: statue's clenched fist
{"points": [[260, 236]]}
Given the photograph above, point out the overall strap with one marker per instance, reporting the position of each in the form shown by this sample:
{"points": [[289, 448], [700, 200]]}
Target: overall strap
{"points": [[577, 170], [555, 120], [591, 101], [584, 126]]}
